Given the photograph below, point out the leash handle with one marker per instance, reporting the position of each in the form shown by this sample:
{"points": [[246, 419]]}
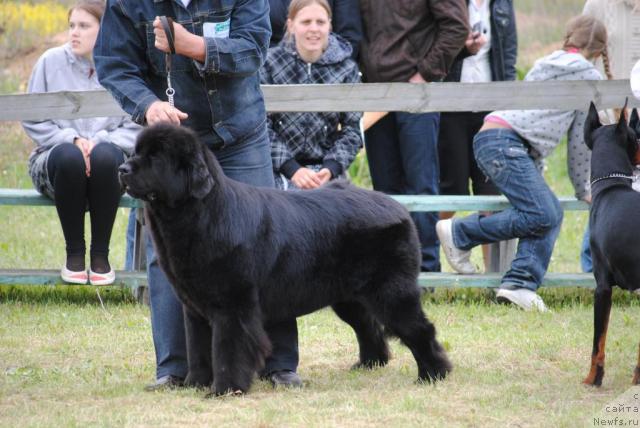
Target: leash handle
{"points": [[167, 26]]}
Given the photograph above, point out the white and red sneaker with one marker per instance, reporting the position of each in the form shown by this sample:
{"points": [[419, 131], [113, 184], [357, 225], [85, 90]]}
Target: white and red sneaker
{"points": [[72, 277], [102, 278]]}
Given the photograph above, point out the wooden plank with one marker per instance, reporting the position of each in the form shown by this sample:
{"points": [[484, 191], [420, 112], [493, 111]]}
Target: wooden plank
{"points": [[357, 97], [31, 197], [492, 280], [52, 277], [472, 203], [431, 279], [411, 202]]}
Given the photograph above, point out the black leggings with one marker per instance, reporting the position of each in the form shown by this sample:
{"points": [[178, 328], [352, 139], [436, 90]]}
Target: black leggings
{"points": [[74, 192]]}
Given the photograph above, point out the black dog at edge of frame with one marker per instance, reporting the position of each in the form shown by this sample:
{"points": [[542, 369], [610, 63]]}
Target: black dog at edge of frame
{"points": [[240, 256], [613, 221]]}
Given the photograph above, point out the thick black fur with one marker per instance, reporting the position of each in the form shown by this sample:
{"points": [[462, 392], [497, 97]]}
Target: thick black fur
{"points": [[613, 221], [240, 256]]}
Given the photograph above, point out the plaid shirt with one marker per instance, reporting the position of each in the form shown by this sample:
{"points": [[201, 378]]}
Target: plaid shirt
{"points": [[331, 139]]}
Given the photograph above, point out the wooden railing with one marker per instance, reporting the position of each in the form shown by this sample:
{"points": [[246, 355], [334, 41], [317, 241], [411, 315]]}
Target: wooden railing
{"points": [[564, 95]]}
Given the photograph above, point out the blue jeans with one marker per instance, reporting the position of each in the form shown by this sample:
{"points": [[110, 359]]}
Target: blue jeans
{"points": [[129, 246], [586, 262], [248, 162], [402, 150], [535, 216]]}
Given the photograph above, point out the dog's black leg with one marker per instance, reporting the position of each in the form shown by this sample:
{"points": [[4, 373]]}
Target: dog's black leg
{"points": [[374, 351], [636, 372], [198, 335], [399, 309], [240, 346], [601, 311]]}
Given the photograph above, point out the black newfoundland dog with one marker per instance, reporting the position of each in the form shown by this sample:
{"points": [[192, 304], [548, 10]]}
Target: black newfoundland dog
{"points": [[240, 256]]}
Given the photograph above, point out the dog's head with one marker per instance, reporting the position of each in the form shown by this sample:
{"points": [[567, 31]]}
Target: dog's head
{"points": [[614, 146], [169, 166]]}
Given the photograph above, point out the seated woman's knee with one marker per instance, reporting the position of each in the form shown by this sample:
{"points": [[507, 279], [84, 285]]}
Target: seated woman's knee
{"points": [[67, 156], [106, 155]]}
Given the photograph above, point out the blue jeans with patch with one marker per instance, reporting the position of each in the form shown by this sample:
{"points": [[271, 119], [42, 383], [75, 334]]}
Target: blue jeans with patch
{"points": [[402, 150], [535, 216], [248, 162]]}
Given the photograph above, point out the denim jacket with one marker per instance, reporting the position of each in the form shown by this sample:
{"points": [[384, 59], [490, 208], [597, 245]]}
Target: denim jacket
{"points": [[222, 95]]}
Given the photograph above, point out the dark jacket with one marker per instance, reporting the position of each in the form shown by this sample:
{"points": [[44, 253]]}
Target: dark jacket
{"points": [[504, 45], [402, 37], [331, 139], [346, 21]]}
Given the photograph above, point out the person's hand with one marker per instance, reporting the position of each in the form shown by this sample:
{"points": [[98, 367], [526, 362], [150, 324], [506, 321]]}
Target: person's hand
{"points": [[587, 199], [417, 78], [161, 111], [305, 178], [474, 42], [324, 175], [85, 147], [184, 42]]}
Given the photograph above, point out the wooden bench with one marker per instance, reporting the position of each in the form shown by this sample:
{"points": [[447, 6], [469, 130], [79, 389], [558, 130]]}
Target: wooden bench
{"points": [[137, 279], [431, 97]]}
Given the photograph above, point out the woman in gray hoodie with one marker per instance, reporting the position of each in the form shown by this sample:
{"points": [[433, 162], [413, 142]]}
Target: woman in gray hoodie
{"points": [[507, 148], [75, 162]]}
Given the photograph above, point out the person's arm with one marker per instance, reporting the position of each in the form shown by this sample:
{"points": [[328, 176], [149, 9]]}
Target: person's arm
{"points": [[451, 18], [348, 140], [121, 62], [510, 47], [578, 157], [45, 132], [123, 136], [347, 22], [244, 51]]}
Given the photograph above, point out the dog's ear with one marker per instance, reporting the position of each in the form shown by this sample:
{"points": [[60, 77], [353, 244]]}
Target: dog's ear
{"points": [[634, 122], [200, 180], [591, 124]]}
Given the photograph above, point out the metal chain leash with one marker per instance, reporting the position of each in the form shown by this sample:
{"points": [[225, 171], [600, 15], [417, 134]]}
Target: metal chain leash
{"points": [[167, 25]]}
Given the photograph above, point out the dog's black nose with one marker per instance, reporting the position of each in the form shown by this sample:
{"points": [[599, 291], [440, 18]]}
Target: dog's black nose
{"points": [[124, 169]]}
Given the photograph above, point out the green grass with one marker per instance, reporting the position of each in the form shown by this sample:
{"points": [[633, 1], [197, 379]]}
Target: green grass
{"points": [[78, 356], [59, 367]]}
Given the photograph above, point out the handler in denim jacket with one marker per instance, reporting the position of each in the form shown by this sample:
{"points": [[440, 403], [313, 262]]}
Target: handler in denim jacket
{"points": [[220, 46]]}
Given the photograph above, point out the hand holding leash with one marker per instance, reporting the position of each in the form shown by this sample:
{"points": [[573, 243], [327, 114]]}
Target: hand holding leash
{"points": [[160, 111]]}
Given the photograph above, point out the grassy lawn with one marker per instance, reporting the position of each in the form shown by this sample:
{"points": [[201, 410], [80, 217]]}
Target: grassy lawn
{"points": [[85, 365], [72, 357]]}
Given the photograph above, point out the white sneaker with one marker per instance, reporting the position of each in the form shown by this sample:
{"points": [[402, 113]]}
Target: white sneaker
{"points": [[457, 258], [72, 277], [523, 297]]}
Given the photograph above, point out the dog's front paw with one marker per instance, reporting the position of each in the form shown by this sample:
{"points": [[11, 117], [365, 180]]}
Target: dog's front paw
{"points": [[636, 376], [228, 392], [197, 379], [594, 378]]}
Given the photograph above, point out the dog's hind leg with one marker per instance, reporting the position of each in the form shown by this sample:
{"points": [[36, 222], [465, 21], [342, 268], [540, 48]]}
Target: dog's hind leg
{"points": [[240, 346], [636, 372], [198, 335], [601, 311], [400, 311], [374, 351]]}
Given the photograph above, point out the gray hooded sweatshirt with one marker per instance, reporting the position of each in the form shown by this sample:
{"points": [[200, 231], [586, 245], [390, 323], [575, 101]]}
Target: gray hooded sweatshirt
{"points": [[58, 69], [543, 129]]}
